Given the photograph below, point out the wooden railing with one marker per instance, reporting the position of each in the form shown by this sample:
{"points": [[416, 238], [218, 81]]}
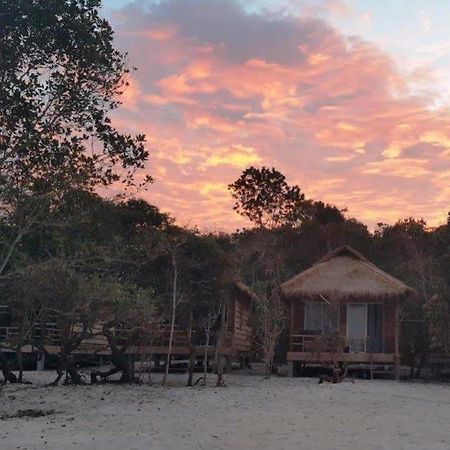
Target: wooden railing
{"points": [[156, 338], [305, 343], [51, 335], [8, 334], [161, 337], [302, 342]]}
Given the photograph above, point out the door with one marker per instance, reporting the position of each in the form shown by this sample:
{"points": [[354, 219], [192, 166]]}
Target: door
{"points": [[356, 327]]}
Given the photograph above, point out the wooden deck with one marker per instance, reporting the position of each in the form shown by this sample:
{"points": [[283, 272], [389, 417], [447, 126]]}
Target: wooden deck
{"points": [[98, 345], [319, 358], [301, 349]]}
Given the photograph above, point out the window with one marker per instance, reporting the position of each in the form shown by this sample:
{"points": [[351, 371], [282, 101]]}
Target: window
{"points": [[321, 316]]}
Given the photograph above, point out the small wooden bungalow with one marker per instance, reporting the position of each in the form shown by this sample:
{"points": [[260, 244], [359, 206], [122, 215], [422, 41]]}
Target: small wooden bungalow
{"points": [[353, 302], [237, 342]]}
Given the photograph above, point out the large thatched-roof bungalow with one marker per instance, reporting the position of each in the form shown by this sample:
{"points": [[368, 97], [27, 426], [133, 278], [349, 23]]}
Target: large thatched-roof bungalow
{"points": [[345, 296]]}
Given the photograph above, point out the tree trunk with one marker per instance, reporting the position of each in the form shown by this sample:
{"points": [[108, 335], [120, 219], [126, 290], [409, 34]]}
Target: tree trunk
{"points": [[191, 355], [19, 358], [6, 258], [205, 358], [220, 366], [8, 375], [121, 361], [268, 357], [191, 368], [67, 365], [172, 322], [218, 357], [267, 369]]}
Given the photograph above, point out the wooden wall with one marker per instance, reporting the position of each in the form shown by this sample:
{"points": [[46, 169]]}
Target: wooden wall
{"points": [[239, 325], [297, 316], [389, 327]]}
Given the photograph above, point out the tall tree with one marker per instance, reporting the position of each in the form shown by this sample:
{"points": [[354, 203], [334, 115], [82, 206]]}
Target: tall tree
{"points": [[265, 198], [60, 77]]}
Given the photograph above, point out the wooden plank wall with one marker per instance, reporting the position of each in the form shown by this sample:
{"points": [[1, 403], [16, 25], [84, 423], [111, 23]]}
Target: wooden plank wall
{"points": [[242, 331], [389, 327], [298, 317]]}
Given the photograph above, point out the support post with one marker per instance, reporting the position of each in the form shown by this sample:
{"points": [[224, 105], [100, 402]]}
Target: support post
{"points": [[397, 340], [291, 369], [228, 364], [40, 363]]}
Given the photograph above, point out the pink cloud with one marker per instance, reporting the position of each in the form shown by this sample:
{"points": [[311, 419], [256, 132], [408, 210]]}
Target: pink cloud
{"points": [[218, 89]]}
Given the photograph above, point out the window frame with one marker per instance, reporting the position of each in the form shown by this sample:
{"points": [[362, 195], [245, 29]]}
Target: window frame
{"points": [[322, 316]]}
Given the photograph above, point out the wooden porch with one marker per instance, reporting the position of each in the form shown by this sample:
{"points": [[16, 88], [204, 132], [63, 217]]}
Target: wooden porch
{"points": [[300, 349], [156, 343]]}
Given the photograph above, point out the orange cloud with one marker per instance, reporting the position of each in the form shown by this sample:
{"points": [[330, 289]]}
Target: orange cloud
{"points": [[236, 156], [218, 90]]}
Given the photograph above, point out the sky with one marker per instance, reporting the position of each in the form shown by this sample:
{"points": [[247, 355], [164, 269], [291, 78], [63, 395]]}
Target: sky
{"points": [[350, 99]]}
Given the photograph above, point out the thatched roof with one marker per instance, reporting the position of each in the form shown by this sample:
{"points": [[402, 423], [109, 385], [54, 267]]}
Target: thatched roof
{"points": [[246, 291], [344, 274]]}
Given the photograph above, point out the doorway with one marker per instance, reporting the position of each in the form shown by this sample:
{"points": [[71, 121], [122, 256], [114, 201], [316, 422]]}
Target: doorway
{"points": [[365, 327], [356, 327]]}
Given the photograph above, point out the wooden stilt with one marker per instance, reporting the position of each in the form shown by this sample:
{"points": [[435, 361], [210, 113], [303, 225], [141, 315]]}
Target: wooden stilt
{"points": [[290, 369], [228, 364]]}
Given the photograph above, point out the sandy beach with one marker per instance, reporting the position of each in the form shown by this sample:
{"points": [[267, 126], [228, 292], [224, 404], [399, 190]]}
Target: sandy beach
{"points": [[249, 413]]}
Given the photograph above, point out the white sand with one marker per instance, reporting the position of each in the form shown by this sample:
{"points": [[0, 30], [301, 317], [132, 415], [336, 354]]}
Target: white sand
{"points": [[250, 413]]}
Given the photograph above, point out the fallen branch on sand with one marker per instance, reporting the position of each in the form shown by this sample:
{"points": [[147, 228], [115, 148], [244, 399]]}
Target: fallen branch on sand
{"points": [[28, 413]]}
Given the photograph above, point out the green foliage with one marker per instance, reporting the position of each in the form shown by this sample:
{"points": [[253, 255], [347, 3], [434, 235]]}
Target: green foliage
{"points": [[437, 311], [60, 77], [264, 197], [324, 213]]}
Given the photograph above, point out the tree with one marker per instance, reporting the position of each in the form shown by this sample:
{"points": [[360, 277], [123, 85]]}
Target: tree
{"points": [[60, 77], [437, 311], [260, 250], [437, 308], [206, 278], [129, 316], [325, 213], [173, 249], [406, 250], [269, 320], [19, 292], [264, 197]]}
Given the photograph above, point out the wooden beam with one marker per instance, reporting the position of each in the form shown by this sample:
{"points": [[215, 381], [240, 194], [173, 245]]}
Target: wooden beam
{"points": [[314, 357], [397, 340], [291, 331]]}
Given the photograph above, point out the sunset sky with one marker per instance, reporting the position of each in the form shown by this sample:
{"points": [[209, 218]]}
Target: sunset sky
{"points": [[350, 99]]}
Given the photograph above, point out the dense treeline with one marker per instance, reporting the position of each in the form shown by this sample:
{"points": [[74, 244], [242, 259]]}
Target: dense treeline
{"points": [[96, 258], [69, 255]]}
